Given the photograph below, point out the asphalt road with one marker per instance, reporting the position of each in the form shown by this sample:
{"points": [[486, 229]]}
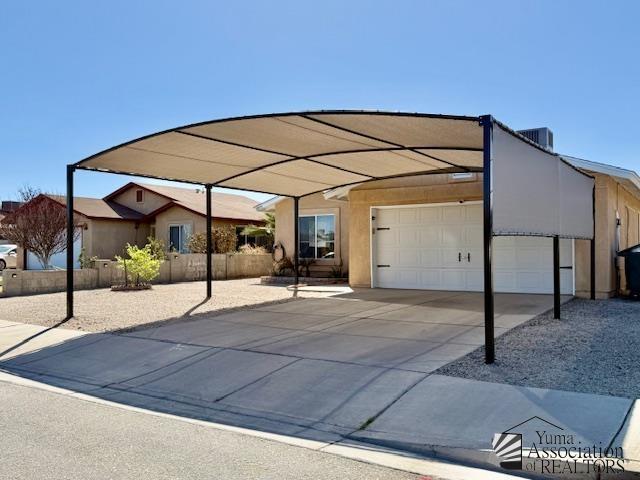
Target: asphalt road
{"points": [[45, 435]]}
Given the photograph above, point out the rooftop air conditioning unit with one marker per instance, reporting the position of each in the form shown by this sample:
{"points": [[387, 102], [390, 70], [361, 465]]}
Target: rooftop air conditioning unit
{"points": [[541, 136]]}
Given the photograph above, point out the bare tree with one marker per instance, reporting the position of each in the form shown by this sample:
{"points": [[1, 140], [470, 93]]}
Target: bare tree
{"points": [[26, 193], [40, 225]]}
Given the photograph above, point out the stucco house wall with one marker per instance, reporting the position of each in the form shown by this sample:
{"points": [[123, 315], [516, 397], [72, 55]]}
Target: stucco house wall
{"points": [[151, 201], [106, 238], [311, 205], [611, 198]]}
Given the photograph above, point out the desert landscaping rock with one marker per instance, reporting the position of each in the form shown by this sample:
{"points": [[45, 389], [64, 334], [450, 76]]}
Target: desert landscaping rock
{"points": [[102, 310], [594, 348]]}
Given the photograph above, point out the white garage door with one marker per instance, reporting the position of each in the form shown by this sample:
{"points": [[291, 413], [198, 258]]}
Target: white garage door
{"points": [[440, 248]]}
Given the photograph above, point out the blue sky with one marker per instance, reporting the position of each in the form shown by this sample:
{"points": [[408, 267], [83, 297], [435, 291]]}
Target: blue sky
{"points": [[78, 77]]}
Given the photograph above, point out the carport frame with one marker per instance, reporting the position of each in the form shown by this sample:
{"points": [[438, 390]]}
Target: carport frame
{"points": [[486, 121]]}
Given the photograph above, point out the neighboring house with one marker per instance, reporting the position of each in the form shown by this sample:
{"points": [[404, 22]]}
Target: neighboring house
{"points": [[6, 207], [136, 211], [426, 232], [176, 213]]}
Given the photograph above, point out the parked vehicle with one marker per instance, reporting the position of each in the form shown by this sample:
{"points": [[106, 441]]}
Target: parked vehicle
{"points": [[8, 255]]}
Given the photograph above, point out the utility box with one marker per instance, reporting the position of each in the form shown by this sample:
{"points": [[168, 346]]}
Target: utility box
{"points": [[632, 269]]}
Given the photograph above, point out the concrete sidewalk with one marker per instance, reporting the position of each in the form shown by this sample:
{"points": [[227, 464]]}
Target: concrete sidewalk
{"points": [[375, 397]]}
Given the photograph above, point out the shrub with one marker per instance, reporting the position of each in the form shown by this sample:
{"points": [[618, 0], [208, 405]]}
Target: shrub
{"points": [[86, 262], [141, 266], [223, 240], [252, 250], [337, 271], [282, 266], [157, 247]]}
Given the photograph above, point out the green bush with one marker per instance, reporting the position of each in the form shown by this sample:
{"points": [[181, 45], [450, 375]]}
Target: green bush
{"points": [[141, 266]]}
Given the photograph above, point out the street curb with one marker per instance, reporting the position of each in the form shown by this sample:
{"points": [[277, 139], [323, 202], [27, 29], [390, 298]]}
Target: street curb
{"points": [[363, 452]]}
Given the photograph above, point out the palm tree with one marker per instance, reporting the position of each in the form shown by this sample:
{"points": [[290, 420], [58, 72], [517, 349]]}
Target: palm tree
{"points": [[267, 230]]}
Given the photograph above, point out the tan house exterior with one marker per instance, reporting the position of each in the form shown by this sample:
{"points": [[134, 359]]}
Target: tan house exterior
{"points": [[137, 211], [617, 195]]}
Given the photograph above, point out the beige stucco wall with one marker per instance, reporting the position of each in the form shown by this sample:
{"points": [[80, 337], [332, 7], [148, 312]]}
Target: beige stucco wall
{"points": [[407, 191], [151, 201], [107, 238], [315, 204], [611, 197]]}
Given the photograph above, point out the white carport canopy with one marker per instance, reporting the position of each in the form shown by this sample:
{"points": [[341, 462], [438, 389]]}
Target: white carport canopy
{"points": [[297, 154], [527, 190]]}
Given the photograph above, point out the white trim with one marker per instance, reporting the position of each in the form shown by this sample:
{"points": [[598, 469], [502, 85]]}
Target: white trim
{"points": [[625, 174], [270, 204], [339, 192], [442, 204]]}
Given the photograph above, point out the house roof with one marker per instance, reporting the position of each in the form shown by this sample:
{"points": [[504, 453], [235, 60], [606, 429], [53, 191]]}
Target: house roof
{"points": [[627, 177], [99, 208], [223, 205]]}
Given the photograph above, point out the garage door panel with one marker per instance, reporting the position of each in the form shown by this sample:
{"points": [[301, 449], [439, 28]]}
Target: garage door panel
{"points": [[473, 235], [453, 279], [430, 279], [431, 215], [387, 238], [531, 257], [408, 216], [454, 215], [387, 257], [453, 236], [430, 258], [408, 236], [504, 281], [473, 213], [409, 258], [474, 280], [430, 236]]}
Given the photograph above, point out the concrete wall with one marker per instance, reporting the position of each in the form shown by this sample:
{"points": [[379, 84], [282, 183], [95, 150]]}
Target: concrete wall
{"points": [[105, 273], [31, 282], [315, 204], [401, 191]]}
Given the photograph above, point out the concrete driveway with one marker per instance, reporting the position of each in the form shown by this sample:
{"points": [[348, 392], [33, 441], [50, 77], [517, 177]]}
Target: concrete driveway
{"points": [[317, 368]]}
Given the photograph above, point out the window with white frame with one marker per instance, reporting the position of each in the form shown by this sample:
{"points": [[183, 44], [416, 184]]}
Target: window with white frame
{"points": [[317, 236], [179, 237]]}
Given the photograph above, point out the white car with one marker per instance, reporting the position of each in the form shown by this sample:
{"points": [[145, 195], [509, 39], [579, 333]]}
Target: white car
{"points": [[8, 255]]}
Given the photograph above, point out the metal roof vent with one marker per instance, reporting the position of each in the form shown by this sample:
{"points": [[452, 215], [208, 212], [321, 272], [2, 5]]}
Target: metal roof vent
{"points": [[542, 136]]}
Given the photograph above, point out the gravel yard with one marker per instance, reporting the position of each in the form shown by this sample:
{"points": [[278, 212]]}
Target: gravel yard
{"points": [[103, 310], [594, 348]]}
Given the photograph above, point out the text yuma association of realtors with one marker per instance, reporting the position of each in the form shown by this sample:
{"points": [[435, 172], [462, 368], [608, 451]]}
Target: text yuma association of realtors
{"points": [[553, 453]]}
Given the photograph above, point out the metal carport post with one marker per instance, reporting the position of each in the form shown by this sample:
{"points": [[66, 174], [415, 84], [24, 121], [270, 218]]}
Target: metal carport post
{"points": [[70, 228], [209, 241], [296, 239], [487, 193]]}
